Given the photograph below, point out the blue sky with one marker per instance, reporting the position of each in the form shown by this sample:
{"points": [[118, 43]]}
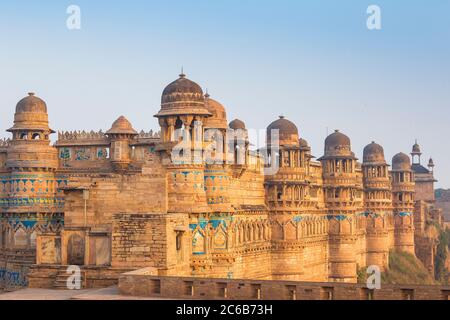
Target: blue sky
{"points": [[313, 61]]}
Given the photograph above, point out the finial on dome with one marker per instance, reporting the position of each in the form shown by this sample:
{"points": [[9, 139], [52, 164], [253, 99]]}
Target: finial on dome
{"points": [[336, 130], [207, 94], [31, 94], [182, 75], [282, 116]]}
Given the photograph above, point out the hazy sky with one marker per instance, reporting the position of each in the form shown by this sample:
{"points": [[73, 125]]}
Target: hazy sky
{"points": [[313, 61]]}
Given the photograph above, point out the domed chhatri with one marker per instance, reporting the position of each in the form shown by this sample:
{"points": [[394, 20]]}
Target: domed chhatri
{"points": [[182, 97], [337, 144], [121, 126], [303, 143], [218, 120], [237, 124], [31, 114], [31, 103], [401, 162], [416, 148], [287, 130], [374, 153]]}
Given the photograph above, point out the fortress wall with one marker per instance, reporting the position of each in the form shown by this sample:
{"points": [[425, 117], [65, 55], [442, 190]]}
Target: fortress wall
{"points": [[305, 262], [113, 194], [135, 284], [149, 240], [248, 189]]}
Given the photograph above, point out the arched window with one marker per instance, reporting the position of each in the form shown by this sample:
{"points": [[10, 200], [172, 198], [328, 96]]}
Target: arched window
{"points": [[36, 136], [23, 136]]}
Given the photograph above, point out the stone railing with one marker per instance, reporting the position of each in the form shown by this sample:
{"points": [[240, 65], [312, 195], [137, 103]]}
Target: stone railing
{"points": [[142, 284]]}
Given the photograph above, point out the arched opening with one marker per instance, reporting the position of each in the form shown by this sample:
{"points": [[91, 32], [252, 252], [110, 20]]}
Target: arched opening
{"points": [[23, 136], [36, 136]]}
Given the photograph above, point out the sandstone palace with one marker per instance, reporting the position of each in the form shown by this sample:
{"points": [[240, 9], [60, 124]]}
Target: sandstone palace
{"points": [[115, 201]]}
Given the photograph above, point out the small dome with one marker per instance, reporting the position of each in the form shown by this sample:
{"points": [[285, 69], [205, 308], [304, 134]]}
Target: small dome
{"points": [[303, 143], [122, 126], [416, 148], [31, 103], [237, 124], [431, 163], [401, 161], [373, 153], [182, 89], [287, 130], [218, 120], [337, 142]]}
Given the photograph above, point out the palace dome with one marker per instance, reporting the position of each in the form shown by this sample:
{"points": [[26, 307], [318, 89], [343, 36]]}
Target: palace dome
{"points": [[182, 89], [31, 115], [401, 161], [373, 153], [287, 130], [218, 120], [31, 103], [183, 97], [121, 126], [237, 124], [336, 144]]}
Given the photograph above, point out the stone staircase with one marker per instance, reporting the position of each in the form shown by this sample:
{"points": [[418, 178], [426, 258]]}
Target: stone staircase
{"points": [[60, 282]]}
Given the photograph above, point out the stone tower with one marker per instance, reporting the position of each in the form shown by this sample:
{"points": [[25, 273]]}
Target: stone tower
{"points": [[343, 198], [182, 117], [31, 162], [403, 202], [423, 177], [377, 205], [287, 193], [121, 134], [217, 171]]}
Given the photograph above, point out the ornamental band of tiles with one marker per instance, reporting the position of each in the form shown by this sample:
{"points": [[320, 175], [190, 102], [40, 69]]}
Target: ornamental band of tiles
{"points": [[117, 200]]}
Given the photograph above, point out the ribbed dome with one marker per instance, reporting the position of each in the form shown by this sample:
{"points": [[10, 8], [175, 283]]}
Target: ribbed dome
{"points": [[337, 142], [121, 126], [373, 153], [182, 97], [237, 124], [182, 89], [218, 120], [287, 130], [401, 161], [31, 103]]}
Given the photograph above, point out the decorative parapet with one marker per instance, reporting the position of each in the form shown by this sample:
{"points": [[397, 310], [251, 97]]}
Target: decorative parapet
{"points": [[67, 138], [145, 138], [80, 135], [149, 135], [4, 143]]}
